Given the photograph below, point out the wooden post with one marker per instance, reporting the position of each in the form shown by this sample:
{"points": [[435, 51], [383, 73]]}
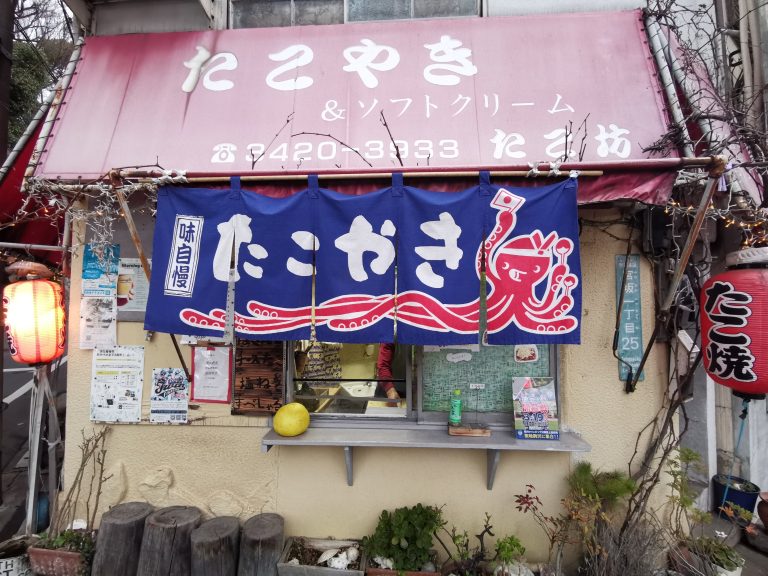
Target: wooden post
{"points": [[215, 547], [119, 541], [114, 178], [166, 545], [261, 545]]}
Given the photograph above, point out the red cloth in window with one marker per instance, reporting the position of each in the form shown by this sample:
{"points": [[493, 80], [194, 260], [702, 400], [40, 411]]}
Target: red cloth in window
{"points": [[384, 366]]}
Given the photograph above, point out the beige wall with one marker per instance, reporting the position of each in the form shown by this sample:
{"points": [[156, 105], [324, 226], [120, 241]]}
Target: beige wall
{"points": [[216, 462]]}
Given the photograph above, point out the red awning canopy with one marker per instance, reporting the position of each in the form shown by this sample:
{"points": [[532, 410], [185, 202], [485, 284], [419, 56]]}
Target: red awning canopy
{"points": [[459, 92], [32, 226]]}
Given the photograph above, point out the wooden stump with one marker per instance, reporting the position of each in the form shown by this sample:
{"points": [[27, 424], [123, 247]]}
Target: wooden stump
{"points": [[119, 540], [166, 546], [260, 545], [215, 547]]}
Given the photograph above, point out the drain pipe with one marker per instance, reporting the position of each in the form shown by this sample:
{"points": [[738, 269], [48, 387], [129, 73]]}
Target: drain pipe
{"points": [[746, 61], [756, 105], [658, 42], [682, 80], [30, 130]]}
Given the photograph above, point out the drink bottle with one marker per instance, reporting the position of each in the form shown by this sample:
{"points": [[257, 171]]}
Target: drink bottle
{"points": [[454, 417]]}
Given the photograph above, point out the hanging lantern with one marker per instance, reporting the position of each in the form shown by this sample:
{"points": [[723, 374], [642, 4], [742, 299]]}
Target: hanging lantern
{"points": [[734, 330], [34, 321]]}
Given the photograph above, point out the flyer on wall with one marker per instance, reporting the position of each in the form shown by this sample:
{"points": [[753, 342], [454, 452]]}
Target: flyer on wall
{"points": [[211, 370], [169, 402], [132, 286], [98, 323], [100, 270], [536, 410], [116, 384]]}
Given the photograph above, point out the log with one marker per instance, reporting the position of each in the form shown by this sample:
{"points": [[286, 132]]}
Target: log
{"points": [[119, 539], [166, 546], [260, 545], [215, 547]]}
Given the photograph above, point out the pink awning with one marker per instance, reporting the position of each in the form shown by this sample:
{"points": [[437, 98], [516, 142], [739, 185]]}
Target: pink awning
{"points": [[460, 92]]}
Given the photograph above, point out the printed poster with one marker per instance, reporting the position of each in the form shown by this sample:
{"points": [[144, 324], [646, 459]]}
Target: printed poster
{"points": [[132, 286], [536, 414], [116, 384], [169, 402], [211, 370], [100, 271], [98, 323]]}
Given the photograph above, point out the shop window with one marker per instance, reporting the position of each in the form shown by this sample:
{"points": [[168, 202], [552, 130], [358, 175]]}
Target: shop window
{"points": [[346, 381], [360, 380]]}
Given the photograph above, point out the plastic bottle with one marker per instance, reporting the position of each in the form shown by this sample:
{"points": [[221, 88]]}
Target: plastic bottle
{"points": [[454, 417]]}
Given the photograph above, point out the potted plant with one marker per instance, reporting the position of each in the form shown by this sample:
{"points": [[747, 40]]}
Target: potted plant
{"points": [[67, 548], [402, 541], [320, 557], [466, 560], [509, 555], [586, 516], [722, 557], [694, 551]]}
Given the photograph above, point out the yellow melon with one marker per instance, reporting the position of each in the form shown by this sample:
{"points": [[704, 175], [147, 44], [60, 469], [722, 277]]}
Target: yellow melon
{"points": [[291, 419]]}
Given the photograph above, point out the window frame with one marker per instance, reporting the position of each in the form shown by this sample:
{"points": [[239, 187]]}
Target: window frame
{"points": [[496, 420], [290, 375], [415, 413], [346, 12]]}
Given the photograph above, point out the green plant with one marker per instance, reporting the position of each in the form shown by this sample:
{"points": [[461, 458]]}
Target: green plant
{"points": [[717, 552], [509, 549], [591, 496], [405, 536], [607, 487], [688, 522], [71, 540], [468, 560]]}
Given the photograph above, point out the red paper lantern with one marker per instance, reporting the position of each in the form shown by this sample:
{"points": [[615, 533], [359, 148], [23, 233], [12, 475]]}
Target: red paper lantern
{"points": [[734, 330], [34, 321]]}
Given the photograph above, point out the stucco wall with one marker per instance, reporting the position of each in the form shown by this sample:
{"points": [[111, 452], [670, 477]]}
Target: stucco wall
{"points": [[216, 462]]}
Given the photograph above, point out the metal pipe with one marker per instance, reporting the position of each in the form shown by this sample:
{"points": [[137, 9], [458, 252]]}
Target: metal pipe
{"points": [[693, 236], [543, 169], [29, 247], [654, 36], [134, 232], [31, 127], [746, 61], [58, 96], [683, 81], [458, 171], [756, 106], [717, 170]]}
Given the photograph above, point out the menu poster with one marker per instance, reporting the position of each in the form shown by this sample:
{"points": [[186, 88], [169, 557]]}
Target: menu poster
{"points": [[98, 323], [211, 371], [100, 270], [536, 410], [169, 402], [116, 384]]}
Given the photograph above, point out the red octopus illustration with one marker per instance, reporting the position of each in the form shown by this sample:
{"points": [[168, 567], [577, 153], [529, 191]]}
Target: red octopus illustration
{"points": [[515, 268]]}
